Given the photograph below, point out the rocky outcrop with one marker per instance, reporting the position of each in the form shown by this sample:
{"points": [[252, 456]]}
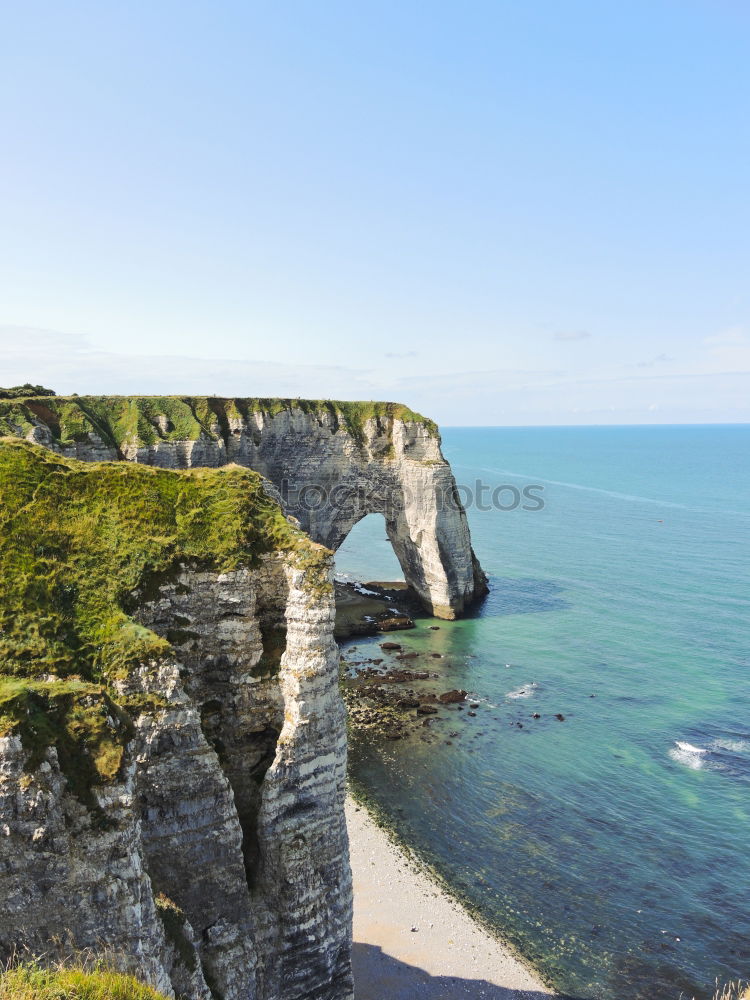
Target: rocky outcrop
{"points": [[332, 463], [180, 811]]}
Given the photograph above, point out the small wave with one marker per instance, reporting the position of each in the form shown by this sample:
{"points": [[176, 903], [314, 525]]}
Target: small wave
{"points": [[525, 691], [728, 755], [731, 746], [480, 700], [689, 758]]}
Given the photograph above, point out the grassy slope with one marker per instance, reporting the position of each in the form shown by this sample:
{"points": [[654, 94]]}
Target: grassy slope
{"points": [[76, 539], [138, 420], [29, 982]]}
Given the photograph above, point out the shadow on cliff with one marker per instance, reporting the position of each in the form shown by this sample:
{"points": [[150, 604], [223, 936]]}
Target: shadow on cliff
{"points": [[378, 976], [523, 595]]}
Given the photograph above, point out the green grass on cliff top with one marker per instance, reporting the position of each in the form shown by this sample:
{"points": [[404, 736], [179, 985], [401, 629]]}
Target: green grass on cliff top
{"points": [[122, 421], [29, 982], [76, 540]]}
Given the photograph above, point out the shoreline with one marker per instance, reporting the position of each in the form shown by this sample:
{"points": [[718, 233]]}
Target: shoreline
{"points": [[413, 940]]}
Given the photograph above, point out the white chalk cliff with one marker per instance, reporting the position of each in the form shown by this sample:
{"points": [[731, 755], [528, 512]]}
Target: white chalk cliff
{"points": [[208, 855], [182, 810]]}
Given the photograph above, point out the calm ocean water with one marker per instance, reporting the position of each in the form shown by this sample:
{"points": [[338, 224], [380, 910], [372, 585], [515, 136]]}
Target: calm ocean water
{"points": [[616, 861]]}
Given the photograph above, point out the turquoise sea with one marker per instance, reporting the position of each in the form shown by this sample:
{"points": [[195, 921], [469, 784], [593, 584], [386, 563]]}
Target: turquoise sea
{"points": [[618, 862]]}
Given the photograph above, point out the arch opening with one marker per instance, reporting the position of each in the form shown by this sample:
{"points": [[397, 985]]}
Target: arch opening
{"points": [[371, 591], [367, 553]]}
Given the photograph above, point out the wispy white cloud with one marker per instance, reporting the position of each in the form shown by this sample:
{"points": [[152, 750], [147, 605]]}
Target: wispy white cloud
{"points": [[572, 335], [732, 336], [729, 349], [69, 363], [658, 360]]}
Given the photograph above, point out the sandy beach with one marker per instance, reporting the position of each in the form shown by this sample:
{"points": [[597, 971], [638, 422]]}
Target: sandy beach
{"points": [[412, 941]]}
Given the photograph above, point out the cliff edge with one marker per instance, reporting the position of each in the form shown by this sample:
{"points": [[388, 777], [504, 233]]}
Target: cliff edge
{"points": [[172, 739], [332, 463]]}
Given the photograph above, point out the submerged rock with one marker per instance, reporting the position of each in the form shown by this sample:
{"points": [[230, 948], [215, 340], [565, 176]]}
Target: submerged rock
{"points": [[394, 623], [452, 697]]}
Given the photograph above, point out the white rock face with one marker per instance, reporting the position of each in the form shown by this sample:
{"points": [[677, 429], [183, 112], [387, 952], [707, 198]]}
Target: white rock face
{"points": [[218, 864], [329, 478], [330, 481]]}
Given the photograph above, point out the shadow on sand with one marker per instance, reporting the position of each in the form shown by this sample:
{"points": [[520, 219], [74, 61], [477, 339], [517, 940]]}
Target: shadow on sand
{"points": [[378, 976]]}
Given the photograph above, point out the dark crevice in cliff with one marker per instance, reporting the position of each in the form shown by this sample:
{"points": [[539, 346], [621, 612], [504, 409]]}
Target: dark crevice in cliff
{"points": [[273, 638], [244, 757], [261, 747], [218, 408]]}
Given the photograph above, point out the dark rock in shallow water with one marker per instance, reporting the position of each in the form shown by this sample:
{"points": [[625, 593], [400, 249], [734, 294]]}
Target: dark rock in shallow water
{"points": [[452, 697], [407, 656], [390, 645], [409, 703], [399, 676], [426, 710], [395, 622]]}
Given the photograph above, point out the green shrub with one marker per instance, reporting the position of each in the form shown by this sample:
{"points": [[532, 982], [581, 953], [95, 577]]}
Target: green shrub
{"points": [[23, 391]]}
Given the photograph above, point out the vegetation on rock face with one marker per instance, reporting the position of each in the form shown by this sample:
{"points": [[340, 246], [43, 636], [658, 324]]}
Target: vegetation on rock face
{"points": [[78, 543], [80, 720], [133, 421], [733, 991], [32, 982], [174, 920]]}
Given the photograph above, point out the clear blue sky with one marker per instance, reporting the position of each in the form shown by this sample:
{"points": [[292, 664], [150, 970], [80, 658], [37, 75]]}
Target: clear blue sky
{"points": [[498, 212]]}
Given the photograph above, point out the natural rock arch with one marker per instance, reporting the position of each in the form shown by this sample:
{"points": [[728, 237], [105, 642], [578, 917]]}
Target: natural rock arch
{"points": [[331, 463]]}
